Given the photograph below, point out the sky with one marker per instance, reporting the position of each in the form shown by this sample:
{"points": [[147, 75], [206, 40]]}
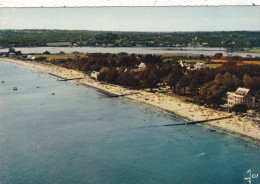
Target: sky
{"points": [[151, 19]]}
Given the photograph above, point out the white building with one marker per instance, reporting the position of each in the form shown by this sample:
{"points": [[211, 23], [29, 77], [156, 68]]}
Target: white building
{"points": [[198, 66], [192, 66], [238, 97], [184, 64], [12, 55], [142, 66], [94, 74], [31, 57]]}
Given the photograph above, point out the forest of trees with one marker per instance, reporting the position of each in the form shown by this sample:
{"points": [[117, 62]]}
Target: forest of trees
{"points": [[231, 40], [206, 86]]}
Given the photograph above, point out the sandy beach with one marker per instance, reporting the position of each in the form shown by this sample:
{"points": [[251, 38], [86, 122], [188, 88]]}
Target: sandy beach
{"points": [[235, 125]]}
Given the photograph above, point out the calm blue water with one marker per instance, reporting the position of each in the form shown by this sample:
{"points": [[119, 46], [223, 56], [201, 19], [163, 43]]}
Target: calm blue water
{"points": [[210, 51], [80, 136]]}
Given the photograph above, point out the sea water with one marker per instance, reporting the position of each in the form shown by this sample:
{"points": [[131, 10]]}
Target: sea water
{"points": [[208, 51], [65, 133]]}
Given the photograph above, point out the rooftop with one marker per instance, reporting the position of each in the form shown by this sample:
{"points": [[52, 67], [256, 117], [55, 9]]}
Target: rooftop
{"points": [[242, 91]]}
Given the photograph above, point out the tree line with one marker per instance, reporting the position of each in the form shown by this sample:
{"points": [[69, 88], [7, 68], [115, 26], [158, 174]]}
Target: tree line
{"points": [[207, 86], [231, 40]]}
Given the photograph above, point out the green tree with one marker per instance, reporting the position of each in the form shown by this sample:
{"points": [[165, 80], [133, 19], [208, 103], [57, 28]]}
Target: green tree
{"points": [[213, 92], [40, 58], [184, 82], [150, 81], [126, 79], [102, 73], [174, 77], [218, 55], [111, 76], [11, 49], [252, 83]]}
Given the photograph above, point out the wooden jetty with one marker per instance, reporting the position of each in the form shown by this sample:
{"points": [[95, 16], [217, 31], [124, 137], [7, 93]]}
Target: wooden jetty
{"points": [[64, 79], [68, 79], [197, 122], [115, 96]]}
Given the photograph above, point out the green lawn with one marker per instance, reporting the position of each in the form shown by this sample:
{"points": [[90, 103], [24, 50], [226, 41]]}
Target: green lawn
{"points": [[254, 50], [55, 56], [257, 50], [213, 65]]}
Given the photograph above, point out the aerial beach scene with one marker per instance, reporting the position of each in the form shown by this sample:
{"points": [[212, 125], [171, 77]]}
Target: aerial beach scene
{"points": [[127, 95]]}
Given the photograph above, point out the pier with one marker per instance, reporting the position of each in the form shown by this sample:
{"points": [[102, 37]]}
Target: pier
{"points": [[202, 121], [115, 96], [68, 79], [64, 79]]}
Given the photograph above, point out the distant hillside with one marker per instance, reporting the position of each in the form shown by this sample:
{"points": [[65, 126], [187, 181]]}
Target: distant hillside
{"points": [[233, 40]]}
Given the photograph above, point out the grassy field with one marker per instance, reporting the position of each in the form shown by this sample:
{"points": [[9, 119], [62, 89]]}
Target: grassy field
{"points": [[59, 44], [253, 50], [56, 56], [252, 62], [218, 60], [213, 65]]}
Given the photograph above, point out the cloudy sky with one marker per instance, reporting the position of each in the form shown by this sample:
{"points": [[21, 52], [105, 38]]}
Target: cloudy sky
{"points": [[134, 18]]}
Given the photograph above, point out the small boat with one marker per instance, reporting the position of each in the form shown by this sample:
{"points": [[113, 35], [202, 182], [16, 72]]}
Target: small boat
{"points": [[212, 130], [15, 88]]}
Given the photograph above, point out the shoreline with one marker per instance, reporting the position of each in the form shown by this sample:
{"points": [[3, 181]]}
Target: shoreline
{"points": [[236, 126]]}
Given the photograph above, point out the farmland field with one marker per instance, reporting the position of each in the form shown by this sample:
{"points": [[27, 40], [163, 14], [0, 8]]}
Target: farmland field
{"points": [[252, 62], [213, 65], [254, 50], [55, 56]]}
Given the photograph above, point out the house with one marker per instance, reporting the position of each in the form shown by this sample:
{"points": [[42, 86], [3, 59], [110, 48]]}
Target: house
{"points": [[142, 66], [23, 57], [184, 64], [12, 55], [198, 66], [31, 57], [240, 96], [4, 54], [191, 67], [94, 74]]}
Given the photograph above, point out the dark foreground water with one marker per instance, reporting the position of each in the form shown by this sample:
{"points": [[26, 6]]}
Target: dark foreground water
{"points": [[79, 135]]}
